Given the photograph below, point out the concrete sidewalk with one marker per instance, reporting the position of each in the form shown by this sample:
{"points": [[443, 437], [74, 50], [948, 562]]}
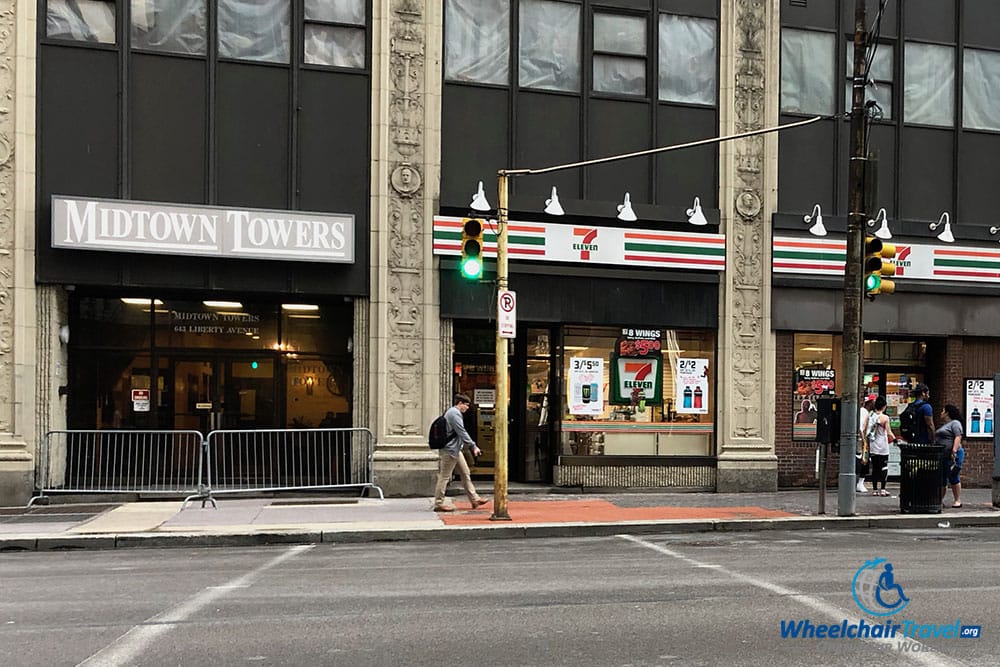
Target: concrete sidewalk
{"points": [[249, 521]]}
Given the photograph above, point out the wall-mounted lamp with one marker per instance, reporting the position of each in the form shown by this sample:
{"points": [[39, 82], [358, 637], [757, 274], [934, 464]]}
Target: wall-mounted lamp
{"points": [[883, 231], [816, 218], [310, 383], [695, 215], [625, 211], [552, 205], [479, 201], [994, 230], [945, 235]]}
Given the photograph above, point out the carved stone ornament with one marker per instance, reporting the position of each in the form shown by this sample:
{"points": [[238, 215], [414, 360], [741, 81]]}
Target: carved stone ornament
{"points": [[7, 235], [406, 219], [748, 204]]}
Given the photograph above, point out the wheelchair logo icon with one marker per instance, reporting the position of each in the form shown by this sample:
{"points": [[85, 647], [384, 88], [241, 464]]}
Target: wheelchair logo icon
{"points": [[876, 590]]}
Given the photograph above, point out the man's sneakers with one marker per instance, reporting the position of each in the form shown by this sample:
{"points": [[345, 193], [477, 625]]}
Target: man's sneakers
{"points": [[479, 503], [861, 488], [444, 508]]}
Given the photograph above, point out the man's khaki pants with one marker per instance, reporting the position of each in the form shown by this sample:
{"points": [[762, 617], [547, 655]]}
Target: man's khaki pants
{"points": [[446, 466]]}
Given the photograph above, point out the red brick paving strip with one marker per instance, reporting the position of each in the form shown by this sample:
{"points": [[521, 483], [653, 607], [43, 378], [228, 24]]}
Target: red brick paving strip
{"points": [[566, 511]]}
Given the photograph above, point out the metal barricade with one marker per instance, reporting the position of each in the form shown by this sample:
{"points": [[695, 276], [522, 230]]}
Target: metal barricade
{"points": [[289, 459], [118, 461]]}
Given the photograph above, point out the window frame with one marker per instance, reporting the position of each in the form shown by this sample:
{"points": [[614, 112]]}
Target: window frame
{"points": [[364, 27], [715, 46], [615, 55]]}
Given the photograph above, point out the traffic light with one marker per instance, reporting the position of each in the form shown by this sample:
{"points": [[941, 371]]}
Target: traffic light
{"points": [[878, 264], [471, 264]]}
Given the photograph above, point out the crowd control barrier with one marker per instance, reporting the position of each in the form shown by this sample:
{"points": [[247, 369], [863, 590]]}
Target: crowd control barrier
{"points": [[197, 467]]}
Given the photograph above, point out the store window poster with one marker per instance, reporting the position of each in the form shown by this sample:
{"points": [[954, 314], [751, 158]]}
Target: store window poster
{"points": [[978, 408], [810, 384], [586, 378], [692, 386]]}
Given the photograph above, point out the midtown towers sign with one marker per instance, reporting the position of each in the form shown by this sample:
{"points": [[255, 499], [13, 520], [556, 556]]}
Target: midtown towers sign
{"points": [[128, 226]]}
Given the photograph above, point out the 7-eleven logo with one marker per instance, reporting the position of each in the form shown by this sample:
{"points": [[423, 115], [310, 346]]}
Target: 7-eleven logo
{"points": [[639, 371], [586, 244], [901, 259]]}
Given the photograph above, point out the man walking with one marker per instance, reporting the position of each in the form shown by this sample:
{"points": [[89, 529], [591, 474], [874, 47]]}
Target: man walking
{"points": [[451, 457]]}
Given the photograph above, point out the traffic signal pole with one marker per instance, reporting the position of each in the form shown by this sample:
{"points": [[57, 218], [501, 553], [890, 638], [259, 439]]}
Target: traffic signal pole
{"points": [[853, 287]]}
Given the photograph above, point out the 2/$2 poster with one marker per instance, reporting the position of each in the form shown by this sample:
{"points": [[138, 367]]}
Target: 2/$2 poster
{"points": [[692, 386]]}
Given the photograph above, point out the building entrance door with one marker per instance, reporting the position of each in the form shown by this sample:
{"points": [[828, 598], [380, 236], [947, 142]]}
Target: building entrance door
{"points": [[211, 393]]}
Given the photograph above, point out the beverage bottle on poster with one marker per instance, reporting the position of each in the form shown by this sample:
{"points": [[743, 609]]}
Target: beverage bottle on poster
{"points": [[975, 420], [988, 421], [687, 397], [697, 397]]}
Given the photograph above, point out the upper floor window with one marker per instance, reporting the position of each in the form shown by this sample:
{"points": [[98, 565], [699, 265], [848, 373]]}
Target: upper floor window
{"points": [[929, 84], [981, 89], [549, 38], [334, 33], [879, 86], [173, 26], [81, 20], [254, 30], [687, 59], [807, 71], [477, 47], [619, 54]]}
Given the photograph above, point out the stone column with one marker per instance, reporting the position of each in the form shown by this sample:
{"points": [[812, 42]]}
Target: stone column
{"points": [[405, 347], [748, 96], [17, 243]]}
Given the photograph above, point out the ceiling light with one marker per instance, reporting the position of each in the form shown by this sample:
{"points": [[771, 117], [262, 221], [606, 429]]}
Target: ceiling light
{"points": [[141, 302], [300, 307], [222, 304]]}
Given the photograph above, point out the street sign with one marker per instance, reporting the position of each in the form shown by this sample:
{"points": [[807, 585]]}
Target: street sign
{"points": [[506, 314]]}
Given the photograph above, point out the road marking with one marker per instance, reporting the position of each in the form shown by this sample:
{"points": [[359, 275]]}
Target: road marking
{"points": [[930, 657], [127, 648]]}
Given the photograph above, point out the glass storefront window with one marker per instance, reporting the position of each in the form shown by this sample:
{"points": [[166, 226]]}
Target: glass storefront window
{"points": [[681, 423], [120, 323], [216, 324], [306, 327], [817, 365]]}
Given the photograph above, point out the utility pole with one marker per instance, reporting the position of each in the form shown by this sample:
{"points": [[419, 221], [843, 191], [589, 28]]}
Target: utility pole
{"points": [[853, 335]]}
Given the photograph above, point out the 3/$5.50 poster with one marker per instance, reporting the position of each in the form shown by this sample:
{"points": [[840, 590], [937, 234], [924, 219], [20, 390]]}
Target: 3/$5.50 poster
{"points": [[586, 391]]}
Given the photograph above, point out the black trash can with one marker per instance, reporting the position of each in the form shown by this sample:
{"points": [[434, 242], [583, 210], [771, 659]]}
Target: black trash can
{"points": [[920, 477]]}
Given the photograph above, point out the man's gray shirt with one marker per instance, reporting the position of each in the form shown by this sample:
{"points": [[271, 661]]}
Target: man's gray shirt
{"points": [[460, 437]]}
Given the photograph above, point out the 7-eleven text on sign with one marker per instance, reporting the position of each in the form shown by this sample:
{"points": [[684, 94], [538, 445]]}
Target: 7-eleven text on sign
{"points": [[506, 314]]}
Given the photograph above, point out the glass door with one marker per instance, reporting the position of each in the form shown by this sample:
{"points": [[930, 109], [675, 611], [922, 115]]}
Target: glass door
{"points": [[196, 394], [540, 407], [247, 390]]}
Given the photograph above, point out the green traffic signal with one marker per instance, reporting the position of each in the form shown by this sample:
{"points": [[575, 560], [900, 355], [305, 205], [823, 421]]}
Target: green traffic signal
{"points": [[471, 264], [872, 282]]}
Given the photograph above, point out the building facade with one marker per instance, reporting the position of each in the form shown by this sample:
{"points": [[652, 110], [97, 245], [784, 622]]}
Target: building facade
{"points": [[251, 213]]}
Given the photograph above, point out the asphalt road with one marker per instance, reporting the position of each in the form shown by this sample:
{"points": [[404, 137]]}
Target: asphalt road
{"points": [[699, 599]]}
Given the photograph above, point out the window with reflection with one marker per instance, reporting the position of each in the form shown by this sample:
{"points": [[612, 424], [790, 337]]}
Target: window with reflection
{"points": [[81, 20], [980, 89], [619, 54], [816, 361], [334, 33], [880, 76], [549, 45], [687, 59], [929, 84], [477, 41], [254, 30], [169, 26], [808, 62]]}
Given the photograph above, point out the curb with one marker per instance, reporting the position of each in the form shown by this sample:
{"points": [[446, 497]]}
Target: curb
{"points": [[497, 531]]}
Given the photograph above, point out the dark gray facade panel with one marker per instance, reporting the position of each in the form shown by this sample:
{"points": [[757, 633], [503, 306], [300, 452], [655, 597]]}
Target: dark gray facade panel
{"points": [[979, 23], [977, 189], [932, 20], [908, 313], [815, 14], [806, 166], [926, 159], [597, 300], [154, 271], [706, 8], [683, 174], [889, 19], [333, 139], [474, 135], [252, 142], [77, 151], [547, 132], [882, 145], [167, 129], [615, 127]]}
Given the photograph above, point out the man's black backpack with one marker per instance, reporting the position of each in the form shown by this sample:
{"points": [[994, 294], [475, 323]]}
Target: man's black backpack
{"points": [[438, 436], [909, 422]]}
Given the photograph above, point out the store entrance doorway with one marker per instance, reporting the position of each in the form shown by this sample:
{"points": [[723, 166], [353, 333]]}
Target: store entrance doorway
{"points": [[216, 392]]}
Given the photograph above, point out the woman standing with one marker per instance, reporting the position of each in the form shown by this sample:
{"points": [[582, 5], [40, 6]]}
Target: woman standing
{"points": [[879, 436], [950, 435]]}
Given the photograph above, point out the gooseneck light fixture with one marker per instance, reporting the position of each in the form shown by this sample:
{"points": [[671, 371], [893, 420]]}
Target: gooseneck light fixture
{"points": [[816, 218], [479, 201], [945, 235], [883, 231], [625, 211], [695, 214], [552, 205]]}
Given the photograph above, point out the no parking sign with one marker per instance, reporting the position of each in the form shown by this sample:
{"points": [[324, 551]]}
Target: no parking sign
{"points": [[506, 314]]}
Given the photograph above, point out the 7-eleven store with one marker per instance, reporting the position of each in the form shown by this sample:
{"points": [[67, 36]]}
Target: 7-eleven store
{"points": [[940, 327], [613, 369]]}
